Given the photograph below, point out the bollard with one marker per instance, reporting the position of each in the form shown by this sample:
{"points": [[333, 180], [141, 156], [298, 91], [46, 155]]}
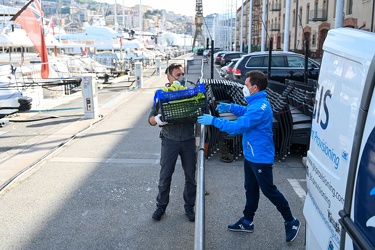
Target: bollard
{"points": [[158, 66], [90, 97], [138, 74]]}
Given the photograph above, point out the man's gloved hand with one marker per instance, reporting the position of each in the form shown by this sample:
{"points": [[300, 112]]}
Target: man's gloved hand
{"points": [[223, 107], [206, 119], [159, 121]]}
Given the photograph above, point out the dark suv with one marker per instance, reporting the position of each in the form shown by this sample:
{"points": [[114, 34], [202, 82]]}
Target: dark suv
{"points": [[284, 65], [218, 55], [227, 57]]}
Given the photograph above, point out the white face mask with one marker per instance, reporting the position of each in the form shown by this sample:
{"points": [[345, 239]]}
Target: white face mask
{"points": [[182, 80], [246, 91]]}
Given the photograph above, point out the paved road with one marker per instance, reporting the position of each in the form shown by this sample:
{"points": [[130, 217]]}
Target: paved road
{"points": [[97, 190]]}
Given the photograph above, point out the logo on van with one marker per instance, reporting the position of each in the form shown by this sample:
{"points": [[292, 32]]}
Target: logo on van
{"points": [[320, 107], [364, 196]]}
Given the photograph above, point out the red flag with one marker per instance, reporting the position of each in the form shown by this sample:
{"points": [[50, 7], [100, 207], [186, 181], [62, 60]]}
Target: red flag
{"points": [[30, 19]]}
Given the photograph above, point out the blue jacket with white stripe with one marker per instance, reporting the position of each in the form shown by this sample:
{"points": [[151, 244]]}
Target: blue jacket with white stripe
{"points": [[254, 122]]}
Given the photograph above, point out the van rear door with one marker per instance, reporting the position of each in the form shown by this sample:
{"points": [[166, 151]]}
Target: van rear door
{"points": [[358, 215], [344, 89]]}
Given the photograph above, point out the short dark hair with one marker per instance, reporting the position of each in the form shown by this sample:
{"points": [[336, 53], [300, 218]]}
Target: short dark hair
{"points": [[258, 78], [173, 66]]}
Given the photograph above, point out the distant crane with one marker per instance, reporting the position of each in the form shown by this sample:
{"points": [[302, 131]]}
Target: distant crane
{"points": [[198, 36]]}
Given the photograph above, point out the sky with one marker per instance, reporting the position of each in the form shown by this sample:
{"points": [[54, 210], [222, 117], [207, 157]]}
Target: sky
{"points": [[184, 7]]}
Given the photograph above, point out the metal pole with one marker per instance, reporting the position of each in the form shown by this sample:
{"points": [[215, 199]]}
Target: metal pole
{"points": [[212, 58], [199, 239], [372, 16], [306, 76], [295, 27], [231, 25], [140, 19], [115, 10], [250, 26], [270, 59], [241, 29], [235, 30], [264, 23], [286, 27], [123, 13], [339, 13]]}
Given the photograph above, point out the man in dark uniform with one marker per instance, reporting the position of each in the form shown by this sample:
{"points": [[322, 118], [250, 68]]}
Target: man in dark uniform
{"points": [[176, 139]]}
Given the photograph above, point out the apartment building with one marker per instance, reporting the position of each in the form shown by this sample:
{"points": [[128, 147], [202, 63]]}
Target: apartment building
{"points": [[309, 22]]}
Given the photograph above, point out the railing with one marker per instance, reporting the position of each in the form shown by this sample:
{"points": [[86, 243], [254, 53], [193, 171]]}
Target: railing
{"points": [[275, 7], [199, 238], [318, 15], [275, 27]]}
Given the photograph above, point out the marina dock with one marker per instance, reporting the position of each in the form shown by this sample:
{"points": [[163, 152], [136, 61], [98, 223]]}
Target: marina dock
{"points": [[74, 183]]}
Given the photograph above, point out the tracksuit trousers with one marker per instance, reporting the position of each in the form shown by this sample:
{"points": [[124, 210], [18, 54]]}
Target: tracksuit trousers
{"points": [[260, 176]]}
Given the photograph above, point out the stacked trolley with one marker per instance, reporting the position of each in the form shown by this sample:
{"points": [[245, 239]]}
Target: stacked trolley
{"points": [[182, 105], [219, 90]]}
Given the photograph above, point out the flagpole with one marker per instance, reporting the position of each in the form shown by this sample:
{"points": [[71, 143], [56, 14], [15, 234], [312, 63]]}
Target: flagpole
{"points": [[33, 24], [21, 10]]}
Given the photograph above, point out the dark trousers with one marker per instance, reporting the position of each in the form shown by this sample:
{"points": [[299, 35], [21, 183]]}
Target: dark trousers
{"points": [[260, 176], [169, 152]]}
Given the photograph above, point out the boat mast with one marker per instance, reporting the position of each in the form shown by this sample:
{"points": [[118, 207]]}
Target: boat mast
{"points": [[115, 10], [140, 20]]}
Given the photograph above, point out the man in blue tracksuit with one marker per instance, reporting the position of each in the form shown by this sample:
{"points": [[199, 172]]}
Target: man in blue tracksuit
{"points": [[255, 124]]}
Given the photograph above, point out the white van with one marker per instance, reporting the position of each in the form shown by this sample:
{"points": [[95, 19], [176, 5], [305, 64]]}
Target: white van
{"points": [[340, 203]]}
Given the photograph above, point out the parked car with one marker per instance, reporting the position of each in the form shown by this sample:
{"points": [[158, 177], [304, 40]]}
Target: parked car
{"points": [[229, 69], [217, 56], [284, 65], [200, 51], [206, 52], [227, 57], [223, 71]]}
